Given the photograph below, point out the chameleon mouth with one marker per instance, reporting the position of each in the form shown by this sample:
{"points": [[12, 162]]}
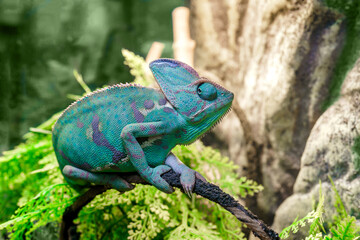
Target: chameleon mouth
{"points": [[199, 134], [221, 118], [216, 123], [228, 100]]}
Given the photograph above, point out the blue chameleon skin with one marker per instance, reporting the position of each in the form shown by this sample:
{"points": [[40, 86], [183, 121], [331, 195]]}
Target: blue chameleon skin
{"points": [[130, 128]]}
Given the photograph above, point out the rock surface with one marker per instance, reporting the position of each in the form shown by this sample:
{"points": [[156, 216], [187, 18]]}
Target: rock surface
{"points": [[329, 151], [277, 56]]}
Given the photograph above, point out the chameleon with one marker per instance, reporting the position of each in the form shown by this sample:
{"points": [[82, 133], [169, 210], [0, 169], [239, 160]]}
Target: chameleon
{"points": [[130, 128]]}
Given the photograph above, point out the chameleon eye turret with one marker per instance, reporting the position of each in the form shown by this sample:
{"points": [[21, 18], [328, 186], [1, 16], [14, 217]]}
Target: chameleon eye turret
{"points": [[130, 128], [207, 91]]}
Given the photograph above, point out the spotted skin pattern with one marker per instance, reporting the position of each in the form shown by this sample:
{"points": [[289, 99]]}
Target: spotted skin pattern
{"points": [[130, 128]]}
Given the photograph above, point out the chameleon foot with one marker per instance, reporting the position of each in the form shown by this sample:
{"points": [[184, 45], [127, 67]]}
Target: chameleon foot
{"points": [[153, 176], [110, 179], [188, 176]]}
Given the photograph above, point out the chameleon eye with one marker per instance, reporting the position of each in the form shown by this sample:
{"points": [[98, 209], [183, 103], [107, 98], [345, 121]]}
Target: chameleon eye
{"points": [[207, 91]]}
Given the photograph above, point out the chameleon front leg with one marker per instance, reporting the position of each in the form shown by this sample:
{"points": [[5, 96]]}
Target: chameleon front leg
{"points": [[136, 154], [187, 175]]}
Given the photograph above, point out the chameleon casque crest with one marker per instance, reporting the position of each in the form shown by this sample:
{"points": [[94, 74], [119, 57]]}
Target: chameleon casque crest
{"points": [[130, 128]]}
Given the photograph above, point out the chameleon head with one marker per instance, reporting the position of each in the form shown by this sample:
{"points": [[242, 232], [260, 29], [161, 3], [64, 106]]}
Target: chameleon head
{"points": [[196, 99]]}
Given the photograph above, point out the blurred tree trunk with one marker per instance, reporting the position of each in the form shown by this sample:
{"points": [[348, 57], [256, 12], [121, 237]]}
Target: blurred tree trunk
{"points": [[10, 73], [278, 57], [4, 104]]}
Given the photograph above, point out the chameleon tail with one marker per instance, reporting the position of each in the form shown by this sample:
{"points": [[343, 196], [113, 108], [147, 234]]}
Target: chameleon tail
{"points": [[75, 184]]}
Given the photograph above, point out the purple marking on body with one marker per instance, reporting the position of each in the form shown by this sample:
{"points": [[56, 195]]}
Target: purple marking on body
{"points": [[63, 155], [130, 138], [100, 140], [84, 166], [168, 110], [162, 101], [153, 130], [70, 171], [79, 124], [118, 156], [190, 111], [98, 137], [170, 63], [137, 114], [185, 90], [148, 104], [142, 127], [203, 106], [137, 156]]}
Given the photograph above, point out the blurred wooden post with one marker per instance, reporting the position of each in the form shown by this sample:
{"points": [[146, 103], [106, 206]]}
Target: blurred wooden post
{"points": [[154, 52], [183, 45]]}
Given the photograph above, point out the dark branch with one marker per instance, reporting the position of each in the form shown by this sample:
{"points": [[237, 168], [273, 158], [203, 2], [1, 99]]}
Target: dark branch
{"points": [[68, 228], [206, 190]]}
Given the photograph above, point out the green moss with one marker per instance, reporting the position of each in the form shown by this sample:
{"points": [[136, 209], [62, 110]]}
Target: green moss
{"points": [[351, 49], [356, 153]]}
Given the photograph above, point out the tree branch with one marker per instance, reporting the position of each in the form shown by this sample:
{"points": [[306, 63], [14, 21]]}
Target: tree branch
{"points": [[204, 189]]}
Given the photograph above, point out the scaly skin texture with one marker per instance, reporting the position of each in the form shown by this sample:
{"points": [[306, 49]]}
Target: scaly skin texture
{"points": [[130, 128]]}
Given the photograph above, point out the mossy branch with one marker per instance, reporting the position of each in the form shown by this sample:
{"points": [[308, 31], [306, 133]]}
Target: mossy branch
{"points": [[204, 189]]}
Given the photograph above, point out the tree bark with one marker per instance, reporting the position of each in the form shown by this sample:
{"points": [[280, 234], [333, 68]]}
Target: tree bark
{"points": [[278, 57]]}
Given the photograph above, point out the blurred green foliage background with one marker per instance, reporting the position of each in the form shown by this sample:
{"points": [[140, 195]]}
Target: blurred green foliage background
{"points": [[43, 41]]}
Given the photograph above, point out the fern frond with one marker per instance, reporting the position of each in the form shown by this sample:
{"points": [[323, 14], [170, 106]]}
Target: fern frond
{"points": [[138, 67], [346, 229], [339, 205], [314, 218], [46, 207]]}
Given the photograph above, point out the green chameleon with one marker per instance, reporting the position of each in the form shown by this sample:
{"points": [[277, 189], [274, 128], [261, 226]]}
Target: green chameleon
{"points": [[130, 128]]}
